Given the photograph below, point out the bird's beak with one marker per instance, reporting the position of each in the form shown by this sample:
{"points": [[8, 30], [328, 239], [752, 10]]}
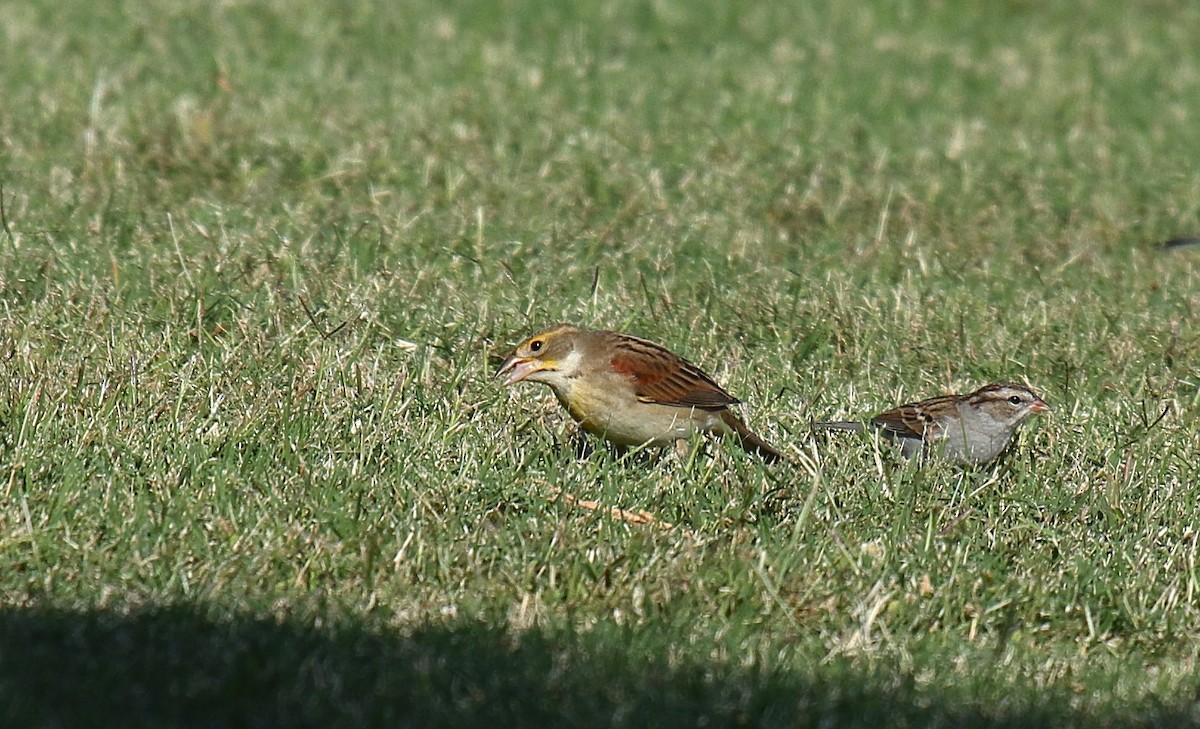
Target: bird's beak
{"points": [[1040, 406], [518, 368]]}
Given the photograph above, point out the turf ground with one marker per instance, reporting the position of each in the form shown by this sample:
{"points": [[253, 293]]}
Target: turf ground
{"points": [[258, 259]]}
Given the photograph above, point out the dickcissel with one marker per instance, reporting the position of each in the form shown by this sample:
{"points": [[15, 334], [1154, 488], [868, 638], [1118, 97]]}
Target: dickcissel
{"points": [[627, 390], [971, 429]]}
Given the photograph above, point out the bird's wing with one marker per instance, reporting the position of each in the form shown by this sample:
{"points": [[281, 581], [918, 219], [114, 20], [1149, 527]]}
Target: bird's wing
{"points": [[912, 421], [663, 377]]}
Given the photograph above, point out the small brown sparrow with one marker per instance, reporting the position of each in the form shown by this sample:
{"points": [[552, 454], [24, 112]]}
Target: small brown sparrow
{"points": [[970, 429], [627, 390]]}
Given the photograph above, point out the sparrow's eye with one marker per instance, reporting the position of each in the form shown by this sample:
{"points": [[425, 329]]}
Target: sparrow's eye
{"points": [[536, 345], [1015, 400]]}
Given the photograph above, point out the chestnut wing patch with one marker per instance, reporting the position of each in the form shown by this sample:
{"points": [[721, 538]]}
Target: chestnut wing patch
{"points": [[662, 377]]}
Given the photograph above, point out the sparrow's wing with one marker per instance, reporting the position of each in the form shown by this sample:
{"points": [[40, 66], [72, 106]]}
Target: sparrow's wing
{"points": [[913, 421], [663, 377]]}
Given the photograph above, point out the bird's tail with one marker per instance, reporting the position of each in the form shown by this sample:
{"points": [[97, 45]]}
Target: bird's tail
{"points": [[837, 425], [750, 442]]}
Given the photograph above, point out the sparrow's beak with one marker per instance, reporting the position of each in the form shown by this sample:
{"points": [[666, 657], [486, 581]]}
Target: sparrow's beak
{"points": [[518, 368], [1039, 406]]}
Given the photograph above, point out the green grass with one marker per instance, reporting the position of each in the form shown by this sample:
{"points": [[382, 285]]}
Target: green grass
{"points": [[260, 258]]}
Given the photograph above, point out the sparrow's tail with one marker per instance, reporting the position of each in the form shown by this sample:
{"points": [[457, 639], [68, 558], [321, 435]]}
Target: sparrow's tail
{"points": [[836, 425], [750, 442]]}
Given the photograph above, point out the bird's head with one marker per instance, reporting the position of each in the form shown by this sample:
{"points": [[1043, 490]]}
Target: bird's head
{"points": [[549, 356], [1009, 403]]}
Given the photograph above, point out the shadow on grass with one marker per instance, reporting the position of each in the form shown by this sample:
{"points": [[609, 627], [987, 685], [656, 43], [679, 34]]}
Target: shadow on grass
{"points": [[176, 667]]}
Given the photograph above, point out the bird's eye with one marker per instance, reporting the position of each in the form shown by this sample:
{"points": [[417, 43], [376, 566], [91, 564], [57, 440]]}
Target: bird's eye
{"points": [[535, 345], [1015, 400]]}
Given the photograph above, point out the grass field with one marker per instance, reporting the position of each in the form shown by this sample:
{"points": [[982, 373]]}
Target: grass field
{"points": [[259, 259]]}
